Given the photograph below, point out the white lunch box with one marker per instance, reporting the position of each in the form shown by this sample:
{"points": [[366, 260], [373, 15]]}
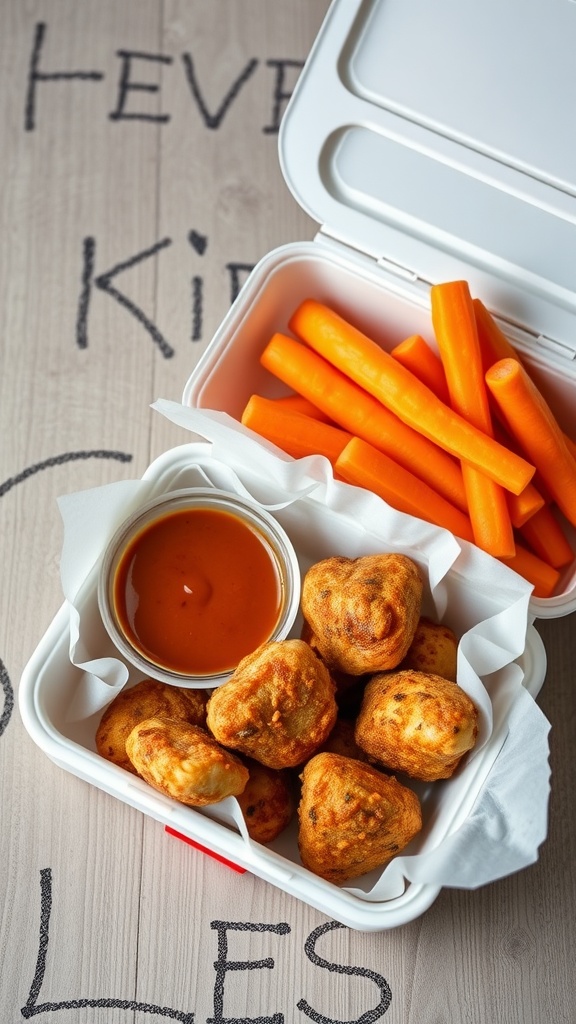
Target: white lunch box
{"points": [[414, 179]]}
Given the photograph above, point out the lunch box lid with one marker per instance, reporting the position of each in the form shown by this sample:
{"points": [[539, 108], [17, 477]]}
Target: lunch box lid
{"points": [[436, 138]]}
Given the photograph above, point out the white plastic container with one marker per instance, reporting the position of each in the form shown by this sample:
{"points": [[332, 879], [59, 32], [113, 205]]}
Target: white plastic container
{"points": [[380, 176], [326, 520]]}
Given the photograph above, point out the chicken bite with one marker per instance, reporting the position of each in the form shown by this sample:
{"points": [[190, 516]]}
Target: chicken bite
{"points": [[184, 762], [147, 699], [352, 817], [362, 612], [434, 649], [277, 707], [416, 723], [267, 803]]}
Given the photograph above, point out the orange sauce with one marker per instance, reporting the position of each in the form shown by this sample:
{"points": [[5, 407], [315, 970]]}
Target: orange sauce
{"points": [[196, 590]]}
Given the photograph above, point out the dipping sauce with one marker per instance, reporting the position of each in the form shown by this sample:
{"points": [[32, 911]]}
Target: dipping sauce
{"points": [[197, 589]]}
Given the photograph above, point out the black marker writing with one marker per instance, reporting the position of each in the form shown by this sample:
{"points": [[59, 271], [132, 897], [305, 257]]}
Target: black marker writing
{"points": [[35, 76], [215, 120], [104, 282], [385, 992], [88, 254], [130, 82], [238, 274], [59, 460], [7, 485], [8, 697], [127, 85], [281, 95], [198, 243], [33, 1007], [223, 965]]}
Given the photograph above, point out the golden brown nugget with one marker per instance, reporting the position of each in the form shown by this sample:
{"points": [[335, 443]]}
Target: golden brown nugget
{"points": [[267, 803], [185, 762], [416, 723], [352, 817], [277, 707], [146, 699], [362, 612], [434, 649]]}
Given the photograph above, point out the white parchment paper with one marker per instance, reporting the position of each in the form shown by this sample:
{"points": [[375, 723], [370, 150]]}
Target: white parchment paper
{"points": [[491, 817]]}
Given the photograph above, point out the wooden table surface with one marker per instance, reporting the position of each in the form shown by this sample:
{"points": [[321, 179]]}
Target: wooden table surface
{"points": [[140, 183]]}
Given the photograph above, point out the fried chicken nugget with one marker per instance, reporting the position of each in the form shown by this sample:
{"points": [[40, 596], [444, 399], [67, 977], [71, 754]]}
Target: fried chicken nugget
{"points": [[146, 699], [267, 803], [184, 762], [416, 723], [362, 612], [277, 707], [352, 817], [434, 649]]}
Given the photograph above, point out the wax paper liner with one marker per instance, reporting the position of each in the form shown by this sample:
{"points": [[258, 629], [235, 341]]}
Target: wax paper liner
{"points": [[491, 817]]}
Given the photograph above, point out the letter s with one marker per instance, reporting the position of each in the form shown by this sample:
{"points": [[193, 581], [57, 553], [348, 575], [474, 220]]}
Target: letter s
{"points": [[385, 993]]}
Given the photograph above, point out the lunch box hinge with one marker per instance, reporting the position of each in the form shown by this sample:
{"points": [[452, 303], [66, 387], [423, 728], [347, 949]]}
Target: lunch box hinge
{"points": [[397, 269], [331, 239], [558, 348], [327, 236]]}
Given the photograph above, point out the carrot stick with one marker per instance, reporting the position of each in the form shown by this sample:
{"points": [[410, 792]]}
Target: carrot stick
{"points": [[296, 434], [571, 445], [457, 337], [416, 355], [531, 421], [354, 410], [377, 372], [547, 539], [297, 403], [521, 507], [543, 577], [361, 464], [494, 345]]}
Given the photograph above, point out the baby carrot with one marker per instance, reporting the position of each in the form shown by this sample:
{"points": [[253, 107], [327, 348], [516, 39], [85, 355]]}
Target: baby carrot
{"points": [[416, 355], [377, 372], [542, 576], [457, 338], [354, 410], [531, 421], [297, 403], [361, 464], [522, 506], [494, 344], [295, 433], [547, 539]]}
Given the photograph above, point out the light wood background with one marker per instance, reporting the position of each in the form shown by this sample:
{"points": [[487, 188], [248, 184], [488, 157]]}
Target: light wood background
{"points": [[127, 221]]}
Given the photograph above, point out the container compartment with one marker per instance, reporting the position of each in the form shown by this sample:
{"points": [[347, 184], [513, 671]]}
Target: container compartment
{"points": [[385, 307], [50, 682]]}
